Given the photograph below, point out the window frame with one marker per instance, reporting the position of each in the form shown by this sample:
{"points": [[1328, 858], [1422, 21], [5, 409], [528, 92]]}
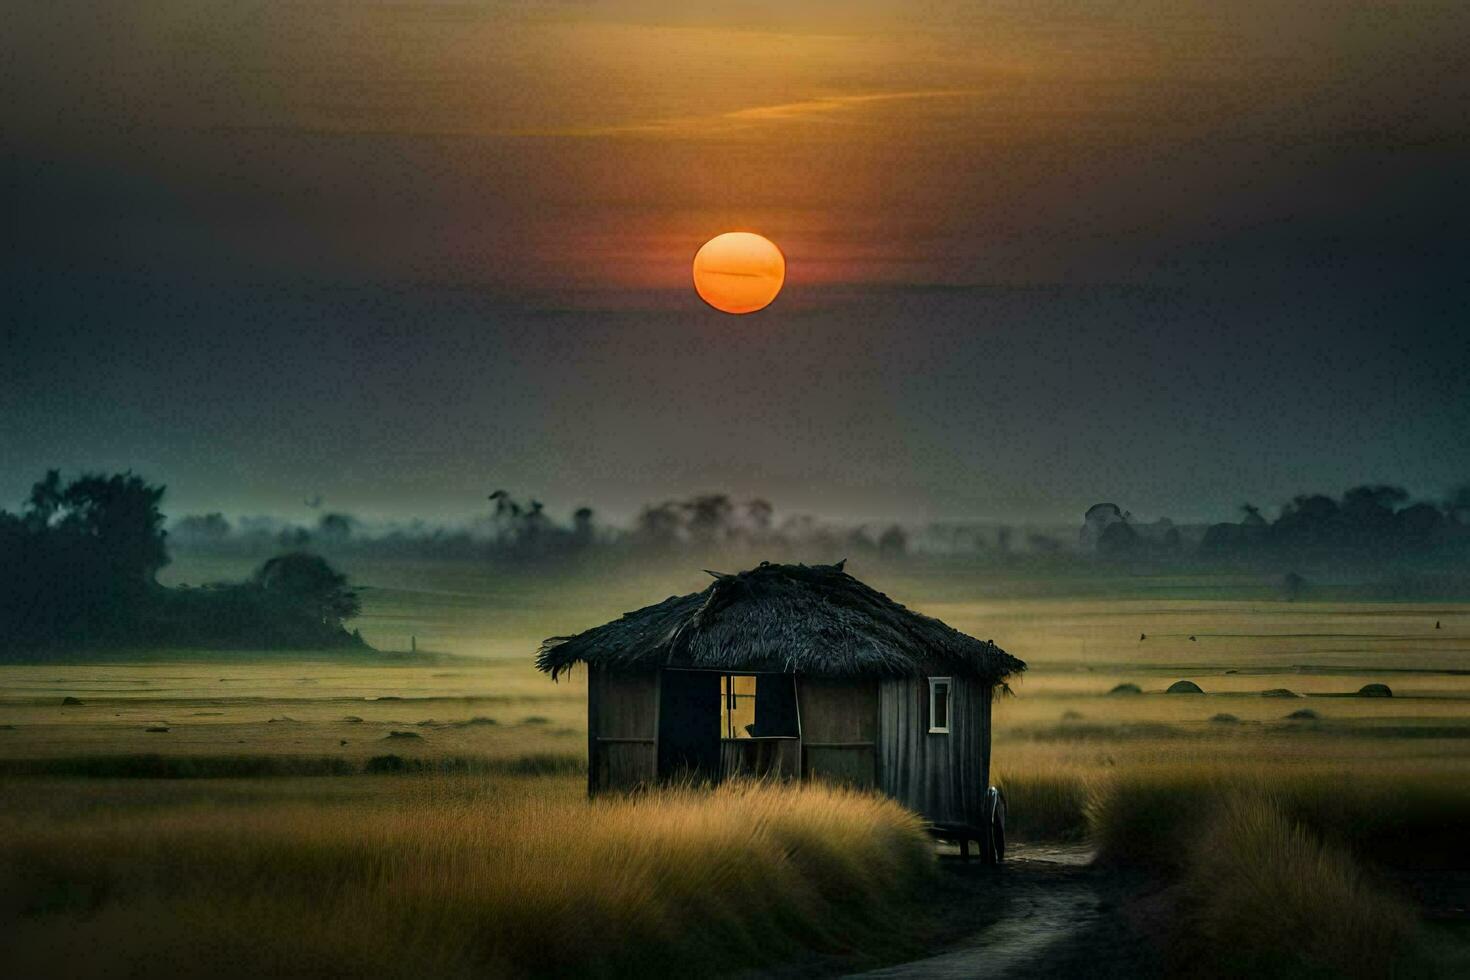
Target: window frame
{"points": [[934, 683]]}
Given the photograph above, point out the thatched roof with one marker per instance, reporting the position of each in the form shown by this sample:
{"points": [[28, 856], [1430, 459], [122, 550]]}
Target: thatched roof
{"points": [[809, 619]]}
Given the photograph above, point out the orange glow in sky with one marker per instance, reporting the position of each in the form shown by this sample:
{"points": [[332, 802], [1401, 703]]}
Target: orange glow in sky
{"points": [[739, 272]]}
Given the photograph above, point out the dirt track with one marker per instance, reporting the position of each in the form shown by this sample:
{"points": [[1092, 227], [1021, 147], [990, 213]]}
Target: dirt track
{"points": [[1046, 912]]}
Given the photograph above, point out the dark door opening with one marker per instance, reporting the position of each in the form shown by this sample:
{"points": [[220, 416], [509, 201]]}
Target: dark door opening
{"points": [[689, 718]]}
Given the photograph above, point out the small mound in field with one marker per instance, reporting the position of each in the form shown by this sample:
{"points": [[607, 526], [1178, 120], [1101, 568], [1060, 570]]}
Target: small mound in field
{"points": [[1126, 689], [428, 723], [402, 735], [157, 728], [277, 721], [1375, 691], [353, 720], [386, 763], [1279, 692], [536, 720], [476, 721], [1303, 714], [1071, 716], [1184, 687], [1225, 718], [71, 700]]}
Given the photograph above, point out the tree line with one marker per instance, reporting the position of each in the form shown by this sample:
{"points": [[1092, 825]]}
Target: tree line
{"points": [[1370, 522], [520, 531], [79, 565]]}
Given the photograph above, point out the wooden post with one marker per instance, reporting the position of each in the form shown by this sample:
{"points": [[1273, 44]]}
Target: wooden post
{"points": [[965, 848]]}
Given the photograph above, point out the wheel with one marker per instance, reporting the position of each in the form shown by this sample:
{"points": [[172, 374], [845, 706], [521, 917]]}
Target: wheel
{"points": [[995, 838]]}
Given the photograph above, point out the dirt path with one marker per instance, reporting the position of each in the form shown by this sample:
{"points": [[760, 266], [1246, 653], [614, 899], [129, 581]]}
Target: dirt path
{"points": [[1045, 912]]}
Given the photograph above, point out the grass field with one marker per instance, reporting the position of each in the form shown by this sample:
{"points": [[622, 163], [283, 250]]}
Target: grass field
{"points": [[452, 799], [445, 876]]}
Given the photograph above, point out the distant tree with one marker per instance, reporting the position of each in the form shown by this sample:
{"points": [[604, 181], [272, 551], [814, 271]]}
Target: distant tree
{"points": [[306, 582], [1309, 522], [1417, 524], [1368, 514], [709, 518], [79, 558], [583, 527], [893, 542], [336, 528], [116, 517], [1118, 540]]}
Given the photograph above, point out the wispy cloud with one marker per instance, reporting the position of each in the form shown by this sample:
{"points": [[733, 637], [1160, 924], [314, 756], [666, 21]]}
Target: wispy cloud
{"points": [[737, 120]]}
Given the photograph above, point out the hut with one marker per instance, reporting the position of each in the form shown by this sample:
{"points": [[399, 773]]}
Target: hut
{"points": [[799, 672]]}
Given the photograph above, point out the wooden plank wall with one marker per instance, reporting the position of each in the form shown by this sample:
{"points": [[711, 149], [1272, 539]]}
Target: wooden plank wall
{"points": [[622, 726], [839, 729], [941, 776]]}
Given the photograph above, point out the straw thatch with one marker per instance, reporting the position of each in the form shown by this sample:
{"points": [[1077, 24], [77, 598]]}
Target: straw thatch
{"points": [[809, 619]]}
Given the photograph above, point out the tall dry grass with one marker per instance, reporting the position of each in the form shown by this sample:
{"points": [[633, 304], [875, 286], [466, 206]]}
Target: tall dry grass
{"points": [[1265, 896], [452, 882], [1279, 868]]}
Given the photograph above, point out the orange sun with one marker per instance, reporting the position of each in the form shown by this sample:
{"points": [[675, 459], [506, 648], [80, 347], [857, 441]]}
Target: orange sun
{"points": [[739, 272]]}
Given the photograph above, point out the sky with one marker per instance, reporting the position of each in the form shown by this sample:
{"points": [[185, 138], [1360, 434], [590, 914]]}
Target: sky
{"points": [[1177, 255]]}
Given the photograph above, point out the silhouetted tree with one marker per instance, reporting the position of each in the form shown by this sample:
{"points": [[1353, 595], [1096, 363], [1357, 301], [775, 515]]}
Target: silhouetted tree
{"points": [[306, 582]]}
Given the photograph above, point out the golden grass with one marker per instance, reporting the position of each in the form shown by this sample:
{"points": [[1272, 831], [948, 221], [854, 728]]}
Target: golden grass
{"points": [[452, 876]]}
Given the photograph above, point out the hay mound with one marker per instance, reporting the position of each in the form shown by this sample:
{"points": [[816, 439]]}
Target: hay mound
{"points": [[1224, 718], [1303, 714], [1184, 687], [71, 700], [1279, 692], [1375, 691], [403, 735], [1126, 689]]}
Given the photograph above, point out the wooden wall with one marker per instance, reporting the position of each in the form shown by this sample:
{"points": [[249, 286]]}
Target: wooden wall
{"points": [[839, 729], [943, 777], [622, 730], [857, 732]]}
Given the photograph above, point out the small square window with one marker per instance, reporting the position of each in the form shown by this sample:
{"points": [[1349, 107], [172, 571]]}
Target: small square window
{"points": [[939, 688]]}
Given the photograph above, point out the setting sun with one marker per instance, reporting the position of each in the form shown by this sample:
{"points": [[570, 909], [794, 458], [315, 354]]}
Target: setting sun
{"points": [[739, 272]]}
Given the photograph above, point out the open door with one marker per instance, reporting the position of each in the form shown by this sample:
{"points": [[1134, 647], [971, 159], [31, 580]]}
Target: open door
{"points": [[689, 717]]}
